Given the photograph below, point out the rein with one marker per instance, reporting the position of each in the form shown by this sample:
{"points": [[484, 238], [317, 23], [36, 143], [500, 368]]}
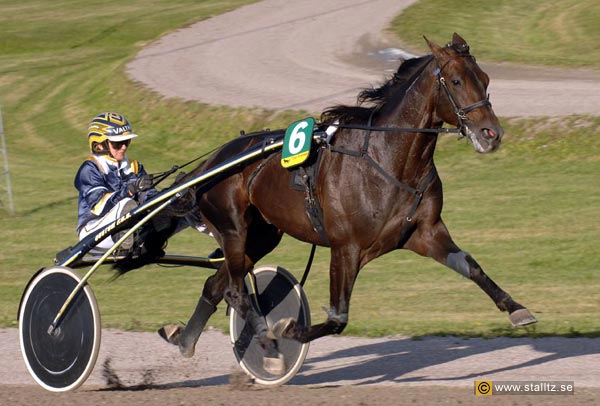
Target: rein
{"points": [[399, 129], [160, 176]]}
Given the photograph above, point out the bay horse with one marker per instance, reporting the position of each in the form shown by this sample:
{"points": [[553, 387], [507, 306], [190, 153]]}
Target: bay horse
{"points": [[378, 188]]}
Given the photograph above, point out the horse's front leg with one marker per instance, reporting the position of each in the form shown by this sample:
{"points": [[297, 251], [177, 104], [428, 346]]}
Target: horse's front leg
{"points": [[344, 268], [435, 242]]}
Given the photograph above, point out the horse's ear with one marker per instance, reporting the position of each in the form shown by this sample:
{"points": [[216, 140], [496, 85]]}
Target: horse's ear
{"points": [[460, 44], [437, 50]]}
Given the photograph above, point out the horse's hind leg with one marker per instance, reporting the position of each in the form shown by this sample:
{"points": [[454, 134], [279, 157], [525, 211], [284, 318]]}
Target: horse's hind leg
{"points": [[437, 243], [240, 255], [214, 290], [217, 287], [187, 337]]}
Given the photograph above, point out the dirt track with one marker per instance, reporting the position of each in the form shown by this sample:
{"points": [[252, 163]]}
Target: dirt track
{"points": [[280, 57], [338, 370]]}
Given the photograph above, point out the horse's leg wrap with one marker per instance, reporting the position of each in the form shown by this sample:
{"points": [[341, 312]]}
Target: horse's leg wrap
{"points": [[458, 262], [336, 326], [190, 335], [273, 361], [338, 321]]}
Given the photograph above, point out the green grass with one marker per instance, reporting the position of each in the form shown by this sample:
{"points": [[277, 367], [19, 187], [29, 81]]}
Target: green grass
{"points": [[527, 213], [554, 32]]}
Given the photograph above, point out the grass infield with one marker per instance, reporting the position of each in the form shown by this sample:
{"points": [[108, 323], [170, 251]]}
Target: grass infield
{"points": [[527, 213]]}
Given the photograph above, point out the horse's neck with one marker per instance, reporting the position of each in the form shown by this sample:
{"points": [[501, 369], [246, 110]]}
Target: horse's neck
{"points": [[408, 150]]}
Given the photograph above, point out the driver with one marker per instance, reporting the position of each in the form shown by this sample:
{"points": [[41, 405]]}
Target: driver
{"points": [[109, 184]]}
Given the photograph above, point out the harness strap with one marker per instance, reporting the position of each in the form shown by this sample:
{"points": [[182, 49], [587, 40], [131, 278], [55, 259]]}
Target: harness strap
{"points": [[418, 197], [345, 151], [308, 177], [311, 202], [365, 148], [389, 177], [257, 170], [311, 257], [418, 192]]}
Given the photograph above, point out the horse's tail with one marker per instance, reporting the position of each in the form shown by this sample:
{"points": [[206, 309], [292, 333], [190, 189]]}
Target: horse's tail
{"points": [[148, 248], [129, 264]]}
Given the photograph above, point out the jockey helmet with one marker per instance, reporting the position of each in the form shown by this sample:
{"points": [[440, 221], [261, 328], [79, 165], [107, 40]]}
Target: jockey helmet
{"points": [[108, 127]]}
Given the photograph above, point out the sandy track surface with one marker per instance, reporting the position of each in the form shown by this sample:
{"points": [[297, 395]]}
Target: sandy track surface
{"points": [[310, 54], [339, 360], [434, 368]]}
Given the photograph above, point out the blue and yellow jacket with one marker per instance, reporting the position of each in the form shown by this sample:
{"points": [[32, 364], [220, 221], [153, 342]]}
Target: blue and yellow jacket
{"points": [[102, 182]]}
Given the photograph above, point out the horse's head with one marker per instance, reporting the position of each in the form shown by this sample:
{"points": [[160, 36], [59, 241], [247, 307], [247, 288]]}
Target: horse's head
{"points": [[462, 95]]}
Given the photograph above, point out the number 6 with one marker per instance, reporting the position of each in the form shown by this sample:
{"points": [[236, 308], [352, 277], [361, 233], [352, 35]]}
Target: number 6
{"points": [[297, 138]]}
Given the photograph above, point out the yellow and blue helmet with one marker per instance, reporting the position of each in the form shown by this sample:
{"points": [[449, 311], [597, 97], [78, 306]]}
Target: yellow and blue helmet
{"points": [[108, 127]]}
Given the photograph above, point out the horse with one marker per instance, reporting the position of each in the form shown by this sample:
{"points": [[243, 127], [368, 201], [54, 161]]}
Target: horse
{"points": [[376, 186]]}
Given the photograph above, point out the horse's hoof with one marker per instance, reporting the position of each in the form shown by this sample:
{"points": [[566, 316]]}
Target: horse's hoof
{"points": [[274, 366], [282, 328], [522, 317], [187, 352], [170, 333]]}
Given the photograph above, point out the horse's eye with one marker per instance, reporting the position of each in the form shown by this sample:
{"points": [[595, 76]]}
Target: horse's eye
{"points": [[456, 82]]}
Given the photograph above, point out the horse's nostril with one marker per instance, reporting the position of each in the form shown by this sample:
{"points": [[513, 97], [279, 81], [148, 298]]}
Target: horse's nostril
{"points": [[490, 133]]}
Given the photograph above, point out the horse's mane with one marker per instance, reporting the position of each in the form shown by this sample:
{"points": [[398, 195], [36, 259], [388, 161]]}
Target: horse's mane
{"points": [[395, 88]]}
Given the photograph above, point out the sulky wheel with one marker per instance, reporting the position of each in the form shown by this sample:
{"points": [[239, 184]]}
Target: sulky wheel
{"points": [[280, 296], [62, 360]]}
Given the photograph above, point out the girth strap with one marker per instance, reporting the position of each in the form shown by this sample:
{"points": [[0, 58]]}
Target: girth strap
{"points": [[308, 178]]}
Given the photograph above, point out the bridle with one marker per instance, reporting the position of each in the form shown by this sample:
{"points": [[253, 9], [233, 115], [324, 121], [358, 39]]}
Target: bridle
{"points": [[461, 112]]}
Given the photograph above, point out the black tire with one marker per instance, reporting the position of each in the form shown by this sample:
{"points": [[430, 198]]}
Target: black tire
{"points": [[63, 360], [280, 297]]}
